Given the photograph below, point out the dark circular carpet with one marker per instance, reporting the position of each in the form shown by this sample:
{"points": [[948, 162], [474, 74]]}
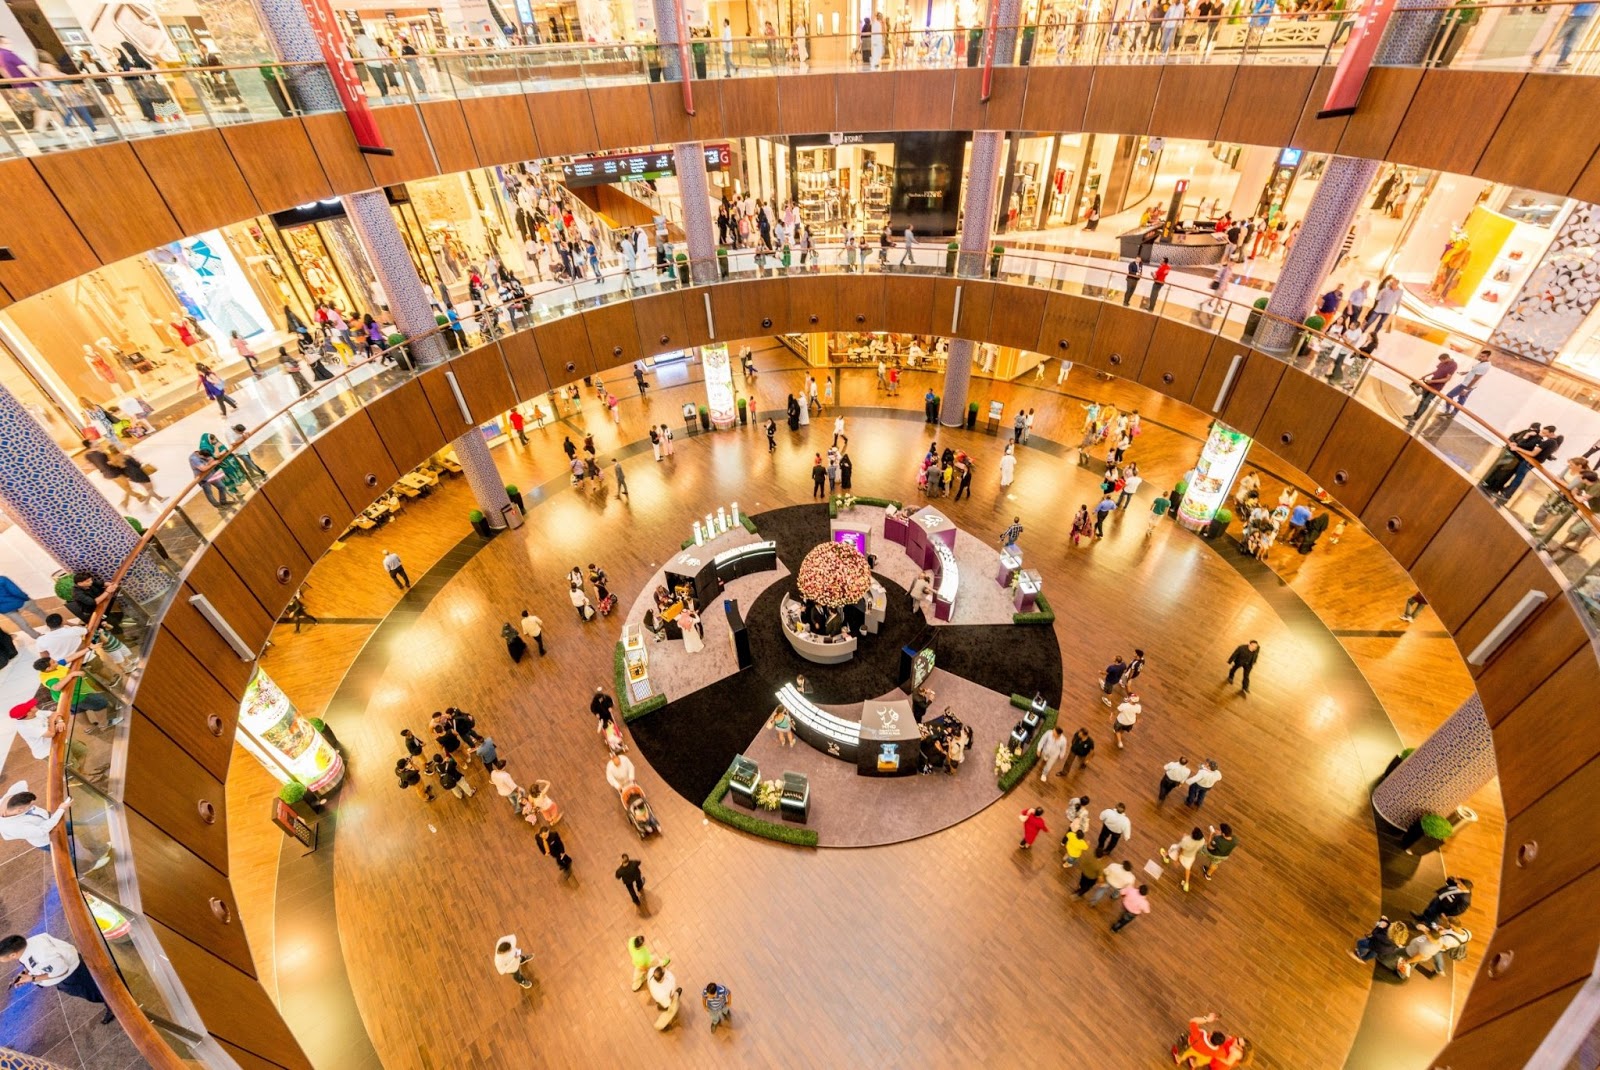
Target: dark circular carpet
{"points": [[691, 741]]}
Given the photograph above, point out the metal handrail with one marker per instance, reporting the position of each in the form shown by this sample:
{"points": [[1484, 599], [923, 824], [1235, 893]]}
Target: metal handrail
{"points": [[84, 930]]}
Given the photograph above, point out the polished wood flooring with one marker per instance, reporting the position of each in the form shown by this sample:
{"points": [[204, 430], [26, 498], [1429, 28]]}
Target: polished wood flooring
{"points": [[945, 951]]}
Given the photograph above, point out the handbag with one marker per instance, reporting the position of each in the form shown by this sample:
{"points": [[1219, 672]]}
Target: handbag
{"points": [[148, 469]]}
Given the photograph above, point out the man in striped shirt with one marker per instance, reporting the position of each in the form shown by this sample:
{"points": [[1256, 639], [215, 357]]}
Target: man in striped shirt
{"points": [[716, 997]]}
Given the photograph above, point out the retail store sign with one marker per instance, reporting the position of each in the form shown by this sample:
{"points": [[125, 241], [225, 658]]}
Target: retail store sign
{"points": [[345, 79], [837, 138], [1359, 52]]}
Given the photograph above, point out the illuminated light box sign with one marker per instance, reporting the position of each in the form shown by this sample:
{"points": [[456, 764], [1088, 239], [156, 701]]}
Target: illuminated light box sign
{"points": [[1220, 460], [633, 167]]}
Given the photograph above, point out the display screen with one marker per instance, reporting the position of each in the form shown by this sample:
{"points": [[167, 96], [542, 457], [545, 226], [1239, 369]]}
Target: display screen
{"points": [[633, 166], [858, 539]]}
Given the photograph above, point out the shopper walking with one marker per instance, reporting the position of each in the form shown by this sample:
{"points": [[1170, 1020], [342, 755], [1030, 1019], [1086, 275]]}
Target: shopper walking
{"points": [[1134, 903], [509, 959], [622, 480], [1172, 774], [819, 477], [1135, 668], [1115, 826], [644, 960], [533, 628], [1125, 718], [1204, 779], [1117, 876], [396, 570], [1450, 901], [1080, 750], [1091, 869], [48, 962], [632, 878], [1051, 748], [1032, 825], [715, 998], [549, 841], [665, 992], [1220, 843], [1112, 676], [1184, 852], [1243, 659], [14, 601]]}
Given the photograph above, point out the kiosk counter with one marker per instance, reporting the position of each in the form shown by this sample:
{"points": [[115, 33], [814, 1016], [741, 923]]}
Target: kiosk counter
{"points": [[827, 732], [822, 649]]}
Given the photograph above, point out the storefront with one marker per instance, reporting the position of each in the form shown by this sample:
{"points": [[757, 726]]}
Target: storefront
{"points": [[320, 246], [128, 333], [1471, 246], [874, 179]]}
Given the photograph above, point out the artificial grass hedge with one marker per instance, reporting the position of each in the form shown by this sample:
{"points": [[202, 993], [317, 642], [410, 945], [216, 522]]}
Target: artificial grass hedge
{"points": [[882, 503], [1028, 757], [630, 712], [714, 809], [1043, 615]]}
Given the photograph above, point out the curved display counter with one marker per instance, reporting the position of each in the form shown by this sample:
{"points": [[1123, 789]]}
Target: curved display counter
{"points": [[827, 732], [1194, 248], [824, 650]]}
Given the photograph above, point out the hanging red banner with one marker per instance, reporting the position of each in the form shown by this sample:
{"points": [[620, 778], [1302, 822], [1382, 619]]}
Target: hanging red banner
{"points": [[1359, 51], [345, 79], [988, 52]]}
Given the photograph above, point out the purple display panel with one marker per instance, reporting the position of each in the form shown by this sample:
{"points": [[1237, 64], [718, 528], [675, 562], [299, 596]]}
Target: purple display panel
{"points": [[858, 539]]}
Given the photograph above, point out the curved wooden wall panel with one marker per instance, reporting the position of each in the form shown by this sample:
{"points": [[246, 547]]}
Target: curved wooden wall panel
{"points": [[1461, 559], [59, 220]]}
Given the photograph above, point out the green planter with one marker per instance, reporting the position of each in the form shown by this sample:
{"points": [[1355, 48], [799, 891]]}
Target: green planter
{"points": [[705, 418], [951, 253], [683, 268], [744, 412], [480, 523], [972, 415], [722, 260], [1252, 321], [515, 494], [994, 260]]}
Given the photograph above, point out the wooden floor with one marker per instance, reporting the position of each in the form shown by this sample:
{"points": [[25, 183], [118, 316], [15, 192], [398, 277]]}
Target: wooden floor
{"points": [[945, 951]]}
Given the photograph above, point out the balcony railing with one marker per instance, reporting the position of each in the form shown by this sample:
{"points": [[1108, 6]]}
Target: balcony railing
{"points": [[102, 903], [49, 114]]}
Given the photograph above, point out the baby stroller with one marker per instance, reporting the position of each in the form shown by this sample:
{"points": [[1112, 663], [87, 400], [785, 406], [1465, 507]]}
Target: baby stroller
{"points": [[607, 604], [639, 812]]}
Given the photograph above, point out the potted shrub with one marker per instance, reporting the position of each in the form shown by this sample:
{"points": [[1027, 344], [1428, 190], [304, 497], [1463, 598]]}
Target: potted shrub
{"points": [[1254, 319], [1426, 834], [722, 260], [480, 523], [682, 260], [299, 799], [994, 260], [744, 414], [1313, 323], [1219, 522], [950, 252], [972, 415], [1394, 763], [705, 418], [515, 494], [327, 733]]}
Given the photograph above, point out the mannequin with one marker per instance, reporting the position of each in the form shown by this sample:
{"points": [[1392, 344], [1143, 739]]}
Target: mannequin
{"points": [[98, 366], [1453, 261]]}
